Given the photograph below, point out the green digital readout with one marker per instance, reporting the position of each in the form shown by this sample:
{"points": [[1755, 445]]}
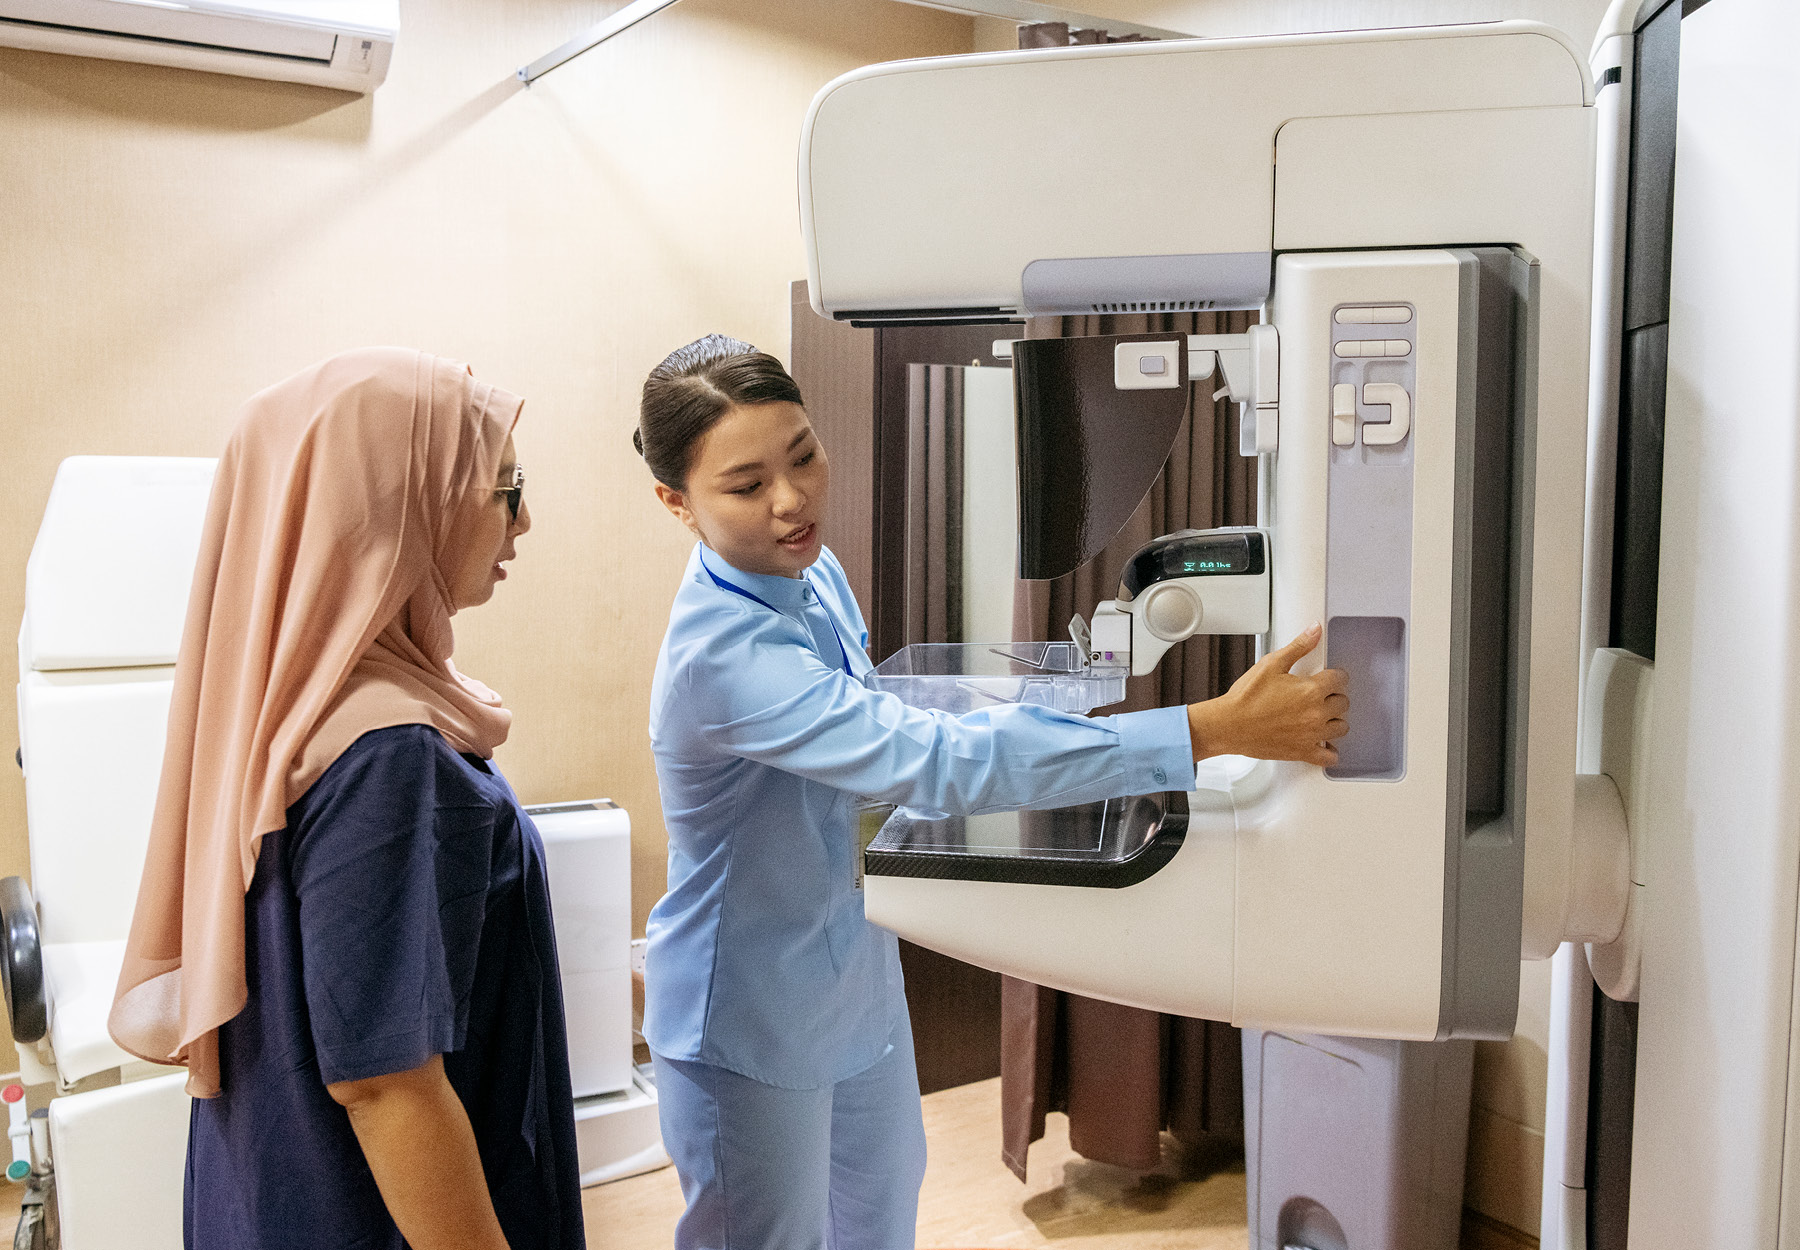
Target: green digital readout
{"points": [[1215, 554], [1197, 559]]}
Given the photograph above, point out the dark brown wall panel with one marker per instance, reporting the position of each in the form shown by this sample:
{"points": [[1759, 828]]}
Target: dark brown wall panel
{"points": [[835, 366]]}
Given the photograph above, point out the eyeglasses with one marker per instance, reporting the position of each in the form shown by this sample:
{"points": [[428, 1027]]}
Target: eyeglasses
{"points": [[515, 494]]}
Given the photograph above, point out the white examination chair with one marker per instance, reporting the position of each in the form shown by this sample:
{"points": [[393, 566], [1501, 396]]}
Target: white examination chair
{"points": [[105, 594]]}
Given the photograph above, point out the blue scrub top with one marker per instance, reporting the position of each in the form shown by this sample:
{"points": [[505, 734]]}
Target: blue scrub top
{"points": [[760, 959], [403, 913]]}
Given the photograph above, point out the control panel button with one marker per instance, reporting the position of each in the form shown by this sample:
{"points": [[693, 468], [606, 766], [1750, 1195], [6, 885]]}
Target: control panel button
{"points": [[1147, 366], [1343, 415], [1381, 316], [1394, 398], [1350, 349]]}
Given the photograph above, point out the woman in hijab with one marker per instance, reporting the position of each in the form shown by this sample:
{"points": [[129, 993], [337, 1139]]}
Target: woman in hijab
{"points": [[343, 929]]}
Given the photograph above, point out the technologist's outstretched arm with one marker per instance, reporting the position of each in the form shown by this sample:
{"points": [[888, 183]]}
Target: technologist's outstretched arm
{"points": [[769, 697], [1271, 713]]}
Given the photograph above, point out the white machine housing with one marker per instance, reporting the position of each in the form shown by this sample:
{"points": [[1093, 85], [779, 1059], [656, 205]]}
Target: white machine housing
{"points": [[1136, 630], [1138, 227], [587, 852], [1320, 172], [345, 44]]}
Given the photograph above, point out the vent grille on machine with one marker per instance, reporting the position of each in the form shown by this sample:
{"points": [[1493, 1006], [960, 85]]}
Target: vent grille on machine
{"points": [[1150, 306]]}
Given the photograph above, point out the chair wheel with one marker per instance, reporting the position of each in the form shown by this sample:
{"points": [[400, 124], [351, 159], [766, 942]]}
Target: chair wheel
{"points": [[31, 1233], [38, 1227]]}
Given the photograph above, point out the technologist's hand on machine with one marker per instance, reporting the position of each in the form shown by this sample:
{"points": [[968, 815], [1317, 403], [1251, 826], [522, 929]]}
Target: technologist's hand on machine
{"points": [[1273, 714]]}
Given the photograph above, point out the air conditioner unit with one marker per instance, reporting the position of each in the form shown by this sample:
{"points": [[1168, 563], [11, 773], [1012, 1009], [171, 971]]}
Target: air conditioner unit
{"points": [[330, 43]]}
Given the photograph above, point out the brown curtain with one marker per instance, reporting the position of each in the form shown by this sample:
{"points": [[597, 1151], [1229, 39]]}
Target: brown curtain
{"points": [[934, 503], [1123, 1075]]}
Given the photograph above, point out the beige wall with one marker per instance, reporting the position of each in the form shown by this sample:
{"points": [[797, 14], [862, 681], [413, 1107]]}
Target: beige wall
{"points": [[173, 241], [994, 34]]}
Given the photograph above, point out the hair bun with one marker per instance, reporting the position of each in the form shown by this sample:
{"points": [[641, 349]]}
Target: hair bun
{"points": [[695, 386]]}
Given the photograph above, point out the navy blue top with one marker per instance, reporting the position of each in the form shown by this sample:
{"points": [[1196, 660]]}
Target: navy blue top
{"points": [[403, 913]]}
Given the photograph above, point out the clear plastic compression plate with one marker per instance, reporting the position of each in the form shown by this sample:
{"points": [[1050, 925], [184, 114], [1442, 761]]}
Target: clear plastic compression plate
{"points": [[958, 677], [1113, 843]]}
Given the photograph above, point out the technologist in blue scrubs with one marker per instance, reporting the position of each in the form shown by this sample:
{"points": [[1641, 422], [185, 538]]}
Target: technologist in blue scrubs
{"points": [[775, 1011]]}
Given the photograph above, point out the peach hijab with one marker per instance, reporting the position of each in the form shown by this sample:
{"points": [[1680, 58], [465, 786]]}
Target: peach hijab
{"points": [[319, 611]]}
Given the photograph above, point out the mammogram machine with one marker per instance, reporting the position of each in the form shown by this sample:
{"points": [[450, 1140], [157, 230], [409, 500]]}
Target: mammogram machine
{"points": [[1413, 213], [1455, 397], [1416, 396]]}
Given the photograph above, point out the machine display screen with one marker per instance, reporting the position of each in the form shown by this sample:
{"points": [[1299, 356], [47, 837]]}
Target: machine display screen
{"points": [[1232, 562], [1201, 555]]}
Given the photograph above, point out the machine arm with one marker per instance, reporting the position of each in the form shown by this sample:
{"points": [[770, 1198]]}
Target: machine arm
{"points": [[1190, 582]]}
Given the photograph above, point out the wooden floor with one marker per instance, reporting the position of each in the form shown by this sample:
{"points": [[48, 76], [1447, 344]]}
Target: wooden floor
{"points": [[970, 1199]]}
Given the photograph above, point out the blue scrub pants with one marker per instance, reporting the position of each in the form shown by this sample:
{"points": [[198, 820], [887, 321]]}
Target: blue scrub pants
{"points": [[835, 1168]]}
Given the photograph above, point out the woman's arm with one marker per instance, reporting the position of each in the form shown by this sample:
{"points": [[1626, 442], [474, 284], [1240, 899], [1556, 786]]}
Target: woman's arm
{"points": [[766, 696], [416, 1136]]}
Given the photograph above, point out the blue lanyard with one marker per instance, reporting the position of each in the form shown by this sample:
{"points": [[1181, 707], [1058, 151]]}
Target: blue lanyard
{"points": [[722, 584]]}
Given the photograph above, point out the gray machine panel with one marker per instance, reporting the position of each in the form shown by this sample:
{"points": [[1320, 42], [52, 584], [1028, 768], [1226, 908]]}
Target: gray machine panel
{"points": [[1369, 520], [1484, 820]]}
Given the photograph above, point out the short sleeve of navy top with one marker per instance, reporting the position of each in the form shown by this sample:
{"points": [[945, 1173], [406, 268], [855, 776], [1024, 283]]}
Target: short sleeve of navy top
{"points": [[403, 913]]}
